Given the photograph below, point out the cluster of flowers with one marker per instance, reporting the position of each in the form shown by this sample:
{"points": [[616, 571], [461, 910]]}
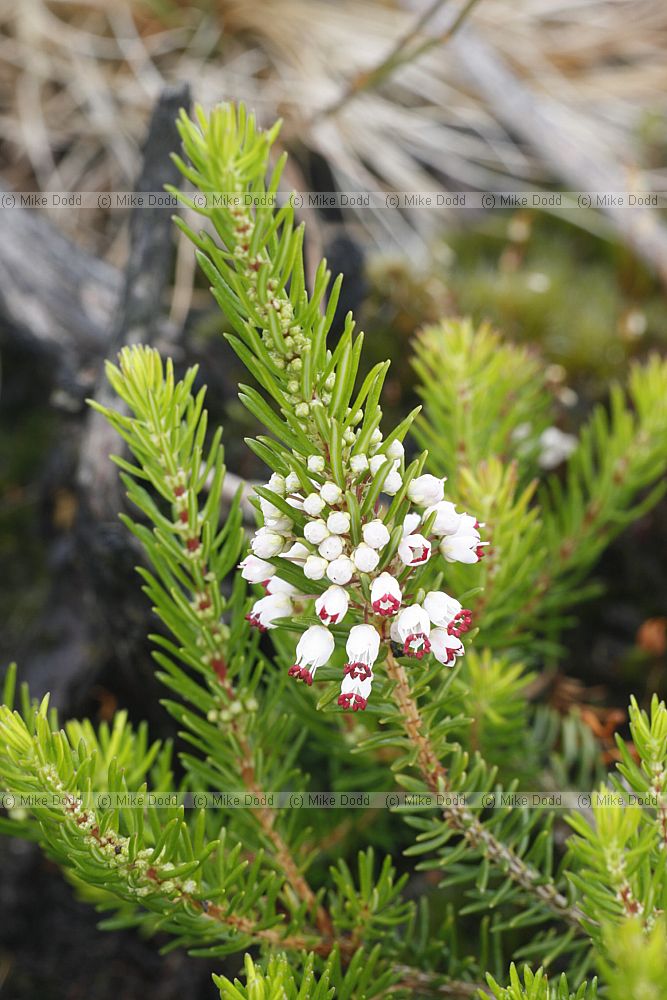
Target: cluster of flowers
{"points": [[325, 550]]}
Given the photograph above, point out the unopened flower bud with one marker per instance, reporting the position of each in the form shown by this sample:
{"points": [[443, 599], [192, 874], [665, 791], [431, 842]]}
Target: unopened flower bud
{"points": [[315, 567], [365, 558], [276, 483], [256, 570], [447, 521], [313, 504], [340, 571], [395, 449], [375, 534], [359, 464], [331, 493], [296, 553], [426, 490], [392, 483], [338, 523], [266, 544], [316, 531], [331, 547]]}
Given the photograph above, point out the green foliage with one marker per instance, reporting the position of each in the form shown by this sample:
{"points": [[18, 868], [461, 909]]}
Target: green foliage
{"points": [[258, 278], [280, 981], [537, 987], [498, 886], [619, 859], [637, 966], [478, 391], [482, 425]]}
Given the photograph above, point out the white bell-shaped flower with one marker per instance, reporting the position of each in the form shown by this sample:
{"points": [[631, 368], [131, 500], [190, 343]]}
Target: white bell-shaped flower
{"points": [[412, 628], [426, 490], [355, 689], [341, 570], [446, 612], [375, 533], [365, 558], [266, 543], [332, 605], [313, 650], [256, 570], [264, 612], [316, 463], [447, 521], [464, 546], [362, 646], [445, 647], [414, 550], [386, 595]]}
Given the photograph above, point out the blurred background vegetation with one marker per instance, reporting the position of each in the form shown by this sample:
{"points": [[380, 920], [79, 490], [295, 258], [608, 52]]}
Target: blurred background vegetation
{"points": [[392, 95]]}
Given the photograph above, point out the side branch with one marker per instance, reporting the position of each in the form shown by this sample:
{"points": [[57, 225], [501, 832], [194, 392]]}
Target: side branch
{"points": [[460, 818]]}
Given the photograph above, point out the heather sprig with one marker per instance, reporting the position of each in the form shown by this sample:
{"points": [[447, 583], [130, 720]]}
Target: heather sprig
{"points": [[347, 526], [357, 549]]}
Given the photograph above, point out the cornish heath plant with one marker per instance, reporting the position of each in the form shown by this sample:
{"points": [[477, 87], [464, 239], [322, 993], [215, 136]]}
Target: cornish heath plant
{"points": [[369, 646]]}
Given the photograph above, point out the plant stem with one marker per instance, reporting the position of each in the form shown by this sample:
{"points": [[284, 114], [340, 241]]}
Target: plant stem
{"points": [[422, 983], [460, 818]]}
